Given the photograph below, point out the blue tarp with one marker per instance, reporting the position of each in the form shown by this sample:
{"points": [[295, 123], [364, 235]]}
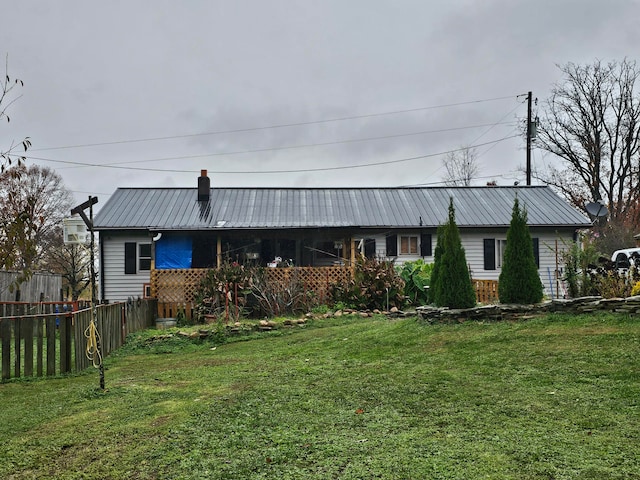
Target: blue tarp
{"points": [[173, 252]]}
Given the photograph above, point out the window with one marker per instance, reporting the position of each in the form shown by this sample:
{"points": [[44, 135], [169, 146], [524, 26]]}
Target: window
{"points": [[136, 256], [408, 245], [494, 249], [144, 256], [501, 246]]}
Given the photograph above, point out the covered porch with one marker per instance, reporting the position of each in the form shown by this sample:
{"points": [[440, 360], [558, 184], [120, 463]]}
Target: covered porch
{"points": [[302, 248]]}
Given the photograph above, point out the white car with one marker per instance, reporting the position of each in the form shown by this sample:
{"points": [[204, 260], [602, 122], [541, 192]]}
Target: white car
{"points": [[621, 258]]}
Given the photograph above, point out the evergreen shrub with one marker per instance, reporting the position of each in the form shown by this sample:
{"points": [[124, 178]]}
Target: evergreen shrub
{"points": [[453, 287], [519, 281]]}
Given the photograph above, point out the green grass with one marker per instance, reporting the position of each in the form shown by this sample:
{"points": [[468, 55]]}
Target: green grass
{"points": [[552, 398]]}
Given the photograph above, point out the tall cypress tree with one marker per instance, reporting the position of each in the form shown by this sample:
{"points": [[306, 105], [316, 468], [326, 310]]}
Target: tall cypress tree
{"points": [[437, 257], [519, 281], [453, 287]]}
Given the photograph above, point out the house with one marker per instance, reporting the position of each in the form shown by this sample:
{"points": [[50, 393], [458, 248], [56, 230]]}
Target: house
{"points": [[142, 229]]}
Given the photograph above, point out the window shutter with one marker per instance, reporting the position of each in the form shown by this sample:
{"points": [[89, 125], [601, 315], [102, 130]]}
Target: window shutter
{"points": [[130, 254], [425, 245], [392, 246], [489, 254], [370, 247], [536, 251]]}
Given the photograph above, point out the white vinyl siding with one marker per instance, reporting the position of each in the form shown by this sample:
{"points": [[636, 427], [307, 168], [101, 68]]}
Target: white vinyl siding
{"points": [[473, 245], [119, 286]]}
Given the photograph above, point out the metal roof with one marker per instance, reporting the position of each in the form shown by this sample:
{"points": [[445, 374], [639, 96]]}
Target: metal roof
{"points": [[279, 208]]}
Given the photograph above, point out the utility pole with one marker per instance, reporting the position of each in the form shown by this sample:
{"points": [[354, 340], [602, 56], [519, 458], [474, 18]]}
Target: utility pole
{"points": [[529, 135]]}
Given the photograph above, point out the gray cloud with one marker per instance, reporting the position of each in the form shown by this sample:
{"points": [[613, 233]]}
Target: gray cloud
{"points": [[97, 72]]}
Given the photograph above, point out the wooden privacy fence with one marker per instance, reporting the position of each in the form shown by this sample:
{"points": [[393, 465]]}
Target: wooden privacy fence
{"points": [[175, 289], [53, 343], [40, 287]]}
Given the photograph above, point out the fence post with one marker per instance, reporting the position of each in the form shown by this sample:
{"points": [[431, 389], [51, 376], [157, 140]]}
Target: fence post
{"points": [[50, 325], [65, 344], [27, 328], [123, 319], [17, 334], [39, 346], [5, 333]]}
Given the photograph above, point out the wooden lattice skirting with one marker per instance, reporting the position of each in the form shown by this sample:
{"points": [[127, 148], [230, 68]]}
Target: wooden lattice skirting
{"points": [[486, 291], [175, 289]]}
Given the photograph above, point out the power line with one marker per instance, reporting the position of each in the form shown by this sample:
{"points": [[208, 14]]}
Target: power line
{"points": [[491, 127], [306, 145], [322, 169], [267, 127]]}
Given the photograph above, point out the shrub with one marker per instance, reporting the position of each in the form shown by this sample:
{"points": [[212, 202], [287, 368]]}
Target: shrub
{"points": [[636, 289], [611, 282], [578, 262], [453, 287], [519, 281], [416, 276], [222, 289], [611, 285], [375, 285], [281, 297]]}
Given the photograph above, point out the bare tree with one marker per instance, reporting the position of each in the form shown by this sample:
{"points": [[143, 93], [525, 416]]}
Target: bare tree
{"points": [[592, 123], [9, 155], [461, 167], [71, 261], [33, 202]]}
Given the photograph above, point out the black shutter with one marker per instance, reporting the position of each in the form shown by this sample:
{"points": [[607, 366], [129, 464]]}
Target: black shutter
{"points": [[425, 245], [536, 251], [130, 254], [370, 247], [392, 246], [489, 253]]}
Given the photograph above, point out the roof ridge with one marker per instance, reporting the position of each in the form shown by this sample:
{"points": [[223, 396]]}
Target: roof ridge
{"points": [[435, 187]]}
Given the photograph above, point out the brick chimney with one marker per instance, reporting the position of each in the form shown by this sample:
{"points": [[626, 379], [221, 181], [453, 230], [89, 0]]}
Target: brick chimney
{"points": [[204, 187]]}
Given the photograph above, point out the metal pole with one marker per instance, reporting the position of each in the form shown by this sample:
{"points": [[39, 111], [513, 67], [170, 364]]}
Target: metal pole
{"points": [[529, 133], [92, 332], [94, 301]]}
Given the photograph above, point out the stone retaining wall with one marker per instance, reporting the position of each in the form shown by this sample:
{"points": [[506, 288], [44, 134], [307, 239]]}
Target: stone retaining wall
{"points": [[629, 305]]}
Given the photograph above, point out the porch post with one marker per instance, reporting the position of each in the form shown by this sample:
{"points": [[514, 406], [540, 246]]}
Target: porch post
{"points": [[219, 252], [353, 251]]}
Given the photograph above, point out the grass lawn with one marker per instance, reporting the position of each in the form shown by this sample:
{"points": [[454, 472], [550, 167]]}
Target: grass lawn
{"points": [[552, 398]]}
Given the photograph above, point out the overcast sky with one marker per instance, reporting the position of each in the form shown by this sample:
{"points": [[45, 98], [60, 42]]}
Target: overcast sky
{"points": [[289, 93]]}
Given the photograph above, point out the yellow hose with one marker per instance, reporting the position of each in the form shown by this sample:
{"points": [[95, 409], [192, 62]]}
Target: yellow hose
{"points": [[92, 351]]}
